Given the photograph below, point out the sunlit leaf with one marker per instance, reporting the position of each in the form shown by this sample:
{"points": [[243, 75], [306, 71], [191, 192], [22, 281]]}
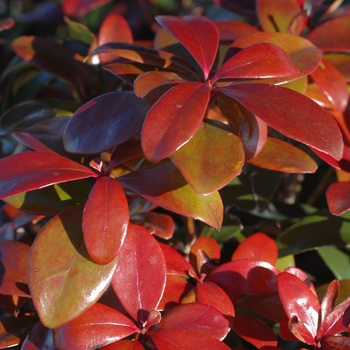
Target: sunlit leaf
{"points": [[104, 232], [301, 306], [163, 185], [124, 345], [338, 320], [140, 277], [97, 326], [282, 156], [63, 280], [263, 60], [105, 122], [329, 299], [337, 261], [114, 28], [198, 34], [28, 171], [338, 197], [259, 246], [229, 31], [304, 122], [341, 62], [174, 119], [331, 36], [13, 261], [210, 159]]}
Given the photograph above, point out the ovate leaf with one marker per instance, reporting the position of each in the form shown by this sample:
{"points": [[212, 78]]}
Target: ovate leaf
{"points": [[174, 119], [163, 185], [105, 122], [97, 326], [211, 159], [63, 280], [28, 171], [338, 197], [104, 231], [140, 277], [198, 34], [292, 114]]}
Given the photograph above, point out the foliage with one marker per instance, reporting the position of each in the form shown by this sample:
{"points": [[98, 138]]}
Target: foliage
{"points": [[149, 187]]}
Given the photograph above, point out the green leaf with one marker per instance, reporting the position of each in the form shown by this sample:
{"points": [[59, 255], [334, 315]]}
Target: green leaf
{"points": [[63, 280], [338, 261]]}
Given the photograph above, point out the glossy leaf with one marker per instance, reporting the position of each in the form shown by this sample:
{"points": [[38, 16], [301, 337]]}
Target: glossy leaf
{"points": [[336, 342], [251, 130], [13, 331], [51, 200], [282, 156], [98, 125], [71, 283], [39, 338], [332, 84], [209, 293], [209, 246], [255, 331], [163, 185], [124, 345], [210, 159], [338, 320], [263, 60], [196, 317], [338, 197], [302, 52], [329, 299], [245, 277], [336, 260], [114, 28], [280, 17], [140, 277], [161, 225], [13, 275], [33, 170], [258, 246], [331, 36], [104, 232], [174, 339], [97, 326], [301, 306], [171, 122], [302, 276], [155, 84], [304, 122], [197, 34]]}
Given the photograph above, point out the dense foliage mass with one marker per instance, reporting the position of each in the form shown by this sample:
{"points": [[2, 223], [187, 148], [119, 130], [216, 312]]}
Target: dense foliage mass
{"points": [[172, 181]]}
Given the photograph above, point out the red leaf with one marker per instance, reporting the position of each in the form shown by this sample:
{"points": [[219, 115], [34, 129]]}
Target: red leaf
{"points": [[338, 320], [63, 280], [230, 31], [13, 262], [78, 8], [161, 225], [282, 156], [104, 232], [338, 197], [114, 28], [196, 317], [124, 345], [140, 277], [97, 326], [302, 276], [332, 84], [209, 293], [336, 343], [211, 158], [115, 125], [258, 61], [301, 306], [29, 171], [255, 332], [163, 185], [174, 339], [175, 262], [171, 122], [245, 277], [292, 114], [258, 246], [329, 299], [332, 35], [198, 34]]}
